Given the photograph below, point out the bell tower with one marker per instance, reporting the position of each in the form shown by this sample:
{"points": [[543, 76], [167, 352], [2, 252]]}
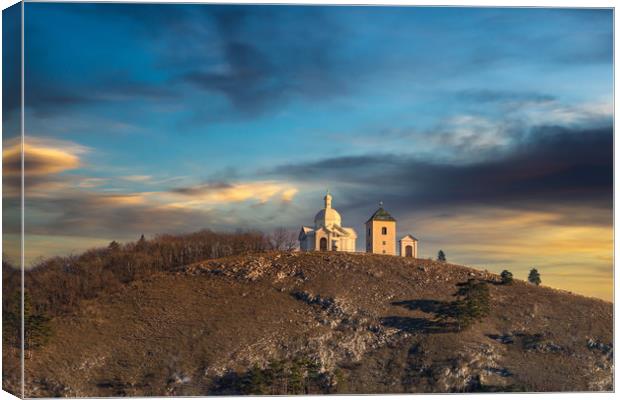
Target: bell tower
{"points": [[381, 233]]}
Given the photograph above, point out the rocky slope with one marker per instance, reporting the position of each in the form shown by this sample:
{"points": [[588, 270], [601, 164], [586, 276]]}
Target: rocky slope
{"points": [[365, 323]]}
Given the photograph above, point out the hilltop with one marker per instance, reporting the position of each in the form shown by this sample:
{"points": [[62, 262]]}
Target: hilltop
{"points": [[281, 322]]}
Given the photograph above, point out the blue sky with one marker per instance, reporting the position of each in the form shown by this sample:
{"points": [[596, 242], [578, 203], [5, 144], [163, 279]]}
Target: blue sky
{"points": [[168, 118]]}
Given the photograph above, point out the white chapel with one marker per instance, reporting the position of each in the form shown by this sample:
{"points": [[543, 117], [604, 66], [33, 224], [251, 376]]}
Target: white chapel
{"points": [[327, 233]]}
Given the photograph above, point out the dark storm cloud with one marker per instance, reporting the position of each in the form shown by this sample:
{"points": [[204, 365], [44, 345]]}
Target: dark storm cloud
{"points": [[555, 166]]}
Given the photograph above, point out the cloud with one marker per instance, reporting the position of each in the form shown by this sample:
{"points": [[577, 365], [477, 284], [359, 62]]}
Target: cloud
{"points": [[43, 157], [250, 71], [45, 160], [137, 178], [589, 114], [91, 182], [503, 96], [499, 238], [548, 166], [90, 213], [220, 192], [46, 99], [74, 204], [288, 194]]}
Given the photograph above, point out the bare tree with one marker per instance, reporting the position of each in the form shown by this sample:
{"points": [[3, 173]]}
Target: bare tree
{"points": [[283, 239]]}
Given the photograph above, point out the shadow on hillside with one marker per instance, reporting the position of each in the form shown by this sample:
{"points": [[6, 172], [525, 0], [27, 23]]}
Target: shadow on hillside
{"points": [[441, 310], [428, 306], [417, 325]]}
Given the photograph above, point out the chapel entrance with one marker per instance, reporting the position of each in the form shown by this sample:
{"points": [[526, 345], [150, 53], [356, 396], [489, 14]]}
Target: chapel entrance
{"points": [[323, 244], [408, 251]]}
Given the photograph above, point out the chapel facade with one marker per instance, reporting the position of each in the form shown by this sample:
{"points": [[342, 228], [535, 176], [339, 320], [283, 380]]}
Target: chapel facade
{"points": [[327, 232], [408, 246]]}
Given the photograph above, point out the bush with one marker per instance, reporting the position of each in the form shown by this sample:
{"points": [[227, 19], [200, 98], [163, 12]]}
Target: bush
{"points": [[534, 277], [506, 277]]}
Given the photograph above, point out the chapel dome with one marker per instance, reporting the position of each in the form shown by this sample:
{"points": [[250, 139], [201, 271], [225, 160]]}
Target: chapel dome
{"points": [[327, 216]]}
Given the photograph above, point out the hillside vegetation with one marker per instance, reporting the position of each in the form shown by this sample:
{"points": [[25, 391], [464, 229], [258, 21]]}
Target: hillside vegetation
{"points": [[282, 322]]}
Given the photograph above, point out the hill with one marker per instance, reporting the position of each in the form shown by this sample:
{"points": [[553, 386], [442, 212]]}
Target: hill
{"points": [[278, 322]]}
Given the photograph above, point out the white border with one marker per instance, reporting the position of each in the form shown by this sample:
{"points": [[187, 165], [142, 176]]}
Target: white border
{"points": [[479, 3]]}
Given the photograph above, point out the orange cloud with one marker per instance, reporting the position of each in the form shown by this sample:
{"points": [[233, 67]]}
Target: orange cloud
{"points": [[41, 156], [289, 194], [208, 194]]}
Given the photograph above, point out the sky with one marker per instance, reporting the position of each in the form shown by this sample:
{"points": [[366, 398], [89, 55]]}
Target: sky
{"points": [[486, 132]]}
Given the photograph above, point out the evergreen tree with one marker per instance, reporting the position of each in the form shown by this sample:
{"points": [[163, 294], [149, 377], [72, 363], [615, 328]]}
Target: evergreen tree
{"points": [[506, 277], [141, 243], [314, 376], [473, 303], [297, 384], [37, 330], [255, 382], [534, 277], [277, 377], [441, 256]]}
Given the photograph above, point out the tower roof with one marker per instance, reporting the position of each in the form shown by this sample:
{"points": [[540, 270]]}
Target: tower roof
{"points": [[381, 215]]}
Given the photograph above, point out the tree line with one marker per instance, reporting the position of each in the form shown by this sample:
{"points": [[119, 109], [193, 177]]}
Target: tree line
{"points": [[55, 286]]}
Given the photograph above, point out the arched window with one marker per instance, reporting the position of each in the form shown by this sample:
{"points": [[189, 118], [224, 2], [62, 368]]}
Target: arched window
{"points": [[323, 244], [384, 231], [408, 251]]}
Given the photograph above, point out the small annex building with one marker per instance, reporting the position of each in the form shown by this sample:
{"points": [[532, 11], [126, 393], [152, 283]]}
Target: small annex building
{"points": [[408, 246]]}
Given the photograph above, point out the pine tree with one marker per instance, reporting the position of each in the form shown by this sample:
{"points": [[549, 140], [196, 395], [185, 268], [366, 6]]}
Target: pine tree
{"points": [[37, 330], [254, 382], [296, 377], [11, 321], [276, 376], [141, 244], [534, 277], [506, 277], [441, 256], [473, 303]]}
